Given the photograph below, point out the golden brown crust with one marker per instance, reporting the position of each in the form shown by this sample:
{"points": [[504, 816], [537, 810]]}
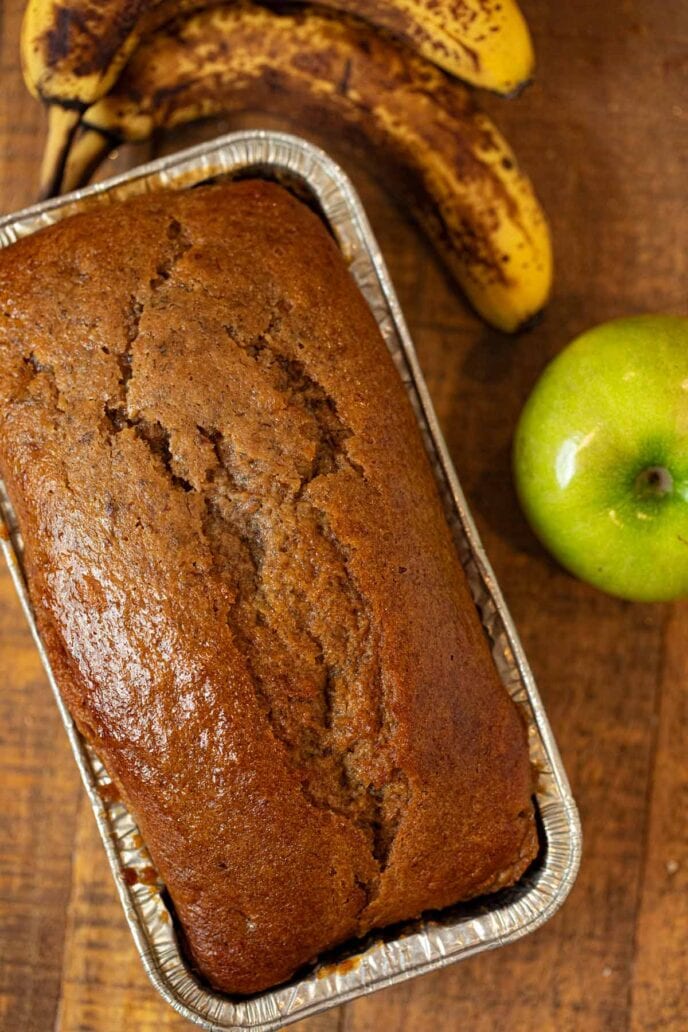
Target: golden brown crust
{"points": [[240, 564]]}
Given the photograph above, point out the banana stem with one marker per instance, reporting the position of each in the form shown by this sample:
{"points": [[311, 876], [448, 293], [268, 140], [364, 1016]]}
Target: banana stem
{"points": [[62, 124], [85, 155]]}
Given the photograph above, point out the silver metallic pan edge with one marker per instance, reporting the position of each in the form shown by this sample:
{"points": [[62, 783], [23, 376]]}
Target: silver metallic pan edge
{"points": [[383, 958]]}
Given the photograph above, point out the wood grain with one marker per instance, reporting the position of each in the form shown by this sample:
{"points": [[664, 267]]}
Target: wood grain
{"points": [[605, 133]]}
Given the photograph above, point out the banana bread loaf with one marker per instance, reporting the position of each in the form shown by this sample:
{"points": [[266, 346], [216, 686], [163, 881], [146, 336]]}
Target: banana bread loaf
{"points": [[244, 579]]}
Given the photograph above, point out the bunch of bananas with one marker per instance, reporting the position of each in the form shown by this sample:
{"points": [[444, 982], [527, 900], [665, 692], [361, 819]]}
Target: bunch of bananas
{"points": [[119, 70]]}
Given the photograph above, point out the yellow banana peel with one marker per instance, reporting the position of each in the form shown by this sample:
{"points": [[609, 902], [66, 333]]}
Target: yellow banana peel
{"points": [[73, 51], [460, 178]]}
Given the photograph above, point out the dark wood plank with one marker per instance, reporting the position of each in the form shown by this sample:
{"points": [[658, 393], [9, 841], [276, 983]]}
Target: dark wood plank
{"points": [[39, 790], [104, 985], [659, 990], [22, 120]]}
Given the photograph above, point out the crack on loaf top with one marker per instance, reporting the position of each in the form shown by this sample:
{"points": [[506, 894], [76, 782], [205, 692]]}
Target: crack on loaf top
{"points": [[290, 376], [298, 616], [33, 368], [118, 416], [180, 243]]}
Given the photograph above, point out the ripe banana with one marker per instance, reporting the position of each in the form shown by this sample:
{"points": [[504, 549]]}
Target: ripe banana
{"points": [[73, 50], [484, 42], [463, 181]]}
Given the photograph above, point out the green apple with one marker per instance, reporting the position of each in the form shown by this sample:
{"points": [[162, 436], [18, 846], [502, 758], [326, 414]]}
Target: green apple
{"points": [[601, 457]]}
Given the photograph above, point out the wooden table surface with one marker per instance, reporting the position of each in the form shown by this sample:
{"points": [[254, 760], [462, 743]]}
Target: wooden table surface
{"points": [[604, 132]]}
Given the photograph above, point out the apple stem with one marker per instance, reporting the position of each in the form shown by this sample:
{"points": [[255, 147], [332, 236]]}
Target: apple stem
{"points": [[654, 482]]}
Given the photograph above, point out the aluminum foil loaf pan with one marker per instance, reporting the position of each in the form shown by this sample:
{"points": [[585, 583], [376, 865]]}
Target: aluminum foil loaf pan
{"points": [[441, 938]]}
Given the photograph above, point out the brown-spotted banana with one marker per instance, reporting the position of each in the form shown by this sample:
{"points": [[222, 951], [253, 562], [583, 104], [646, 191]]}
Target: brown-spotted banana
{"points": [[73, 50], [455, 170]]}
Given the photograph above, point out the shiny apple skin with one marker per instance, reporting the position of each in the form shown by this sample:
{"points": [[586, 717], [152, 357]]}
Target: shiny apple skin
{"points": [[612, 405]]}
